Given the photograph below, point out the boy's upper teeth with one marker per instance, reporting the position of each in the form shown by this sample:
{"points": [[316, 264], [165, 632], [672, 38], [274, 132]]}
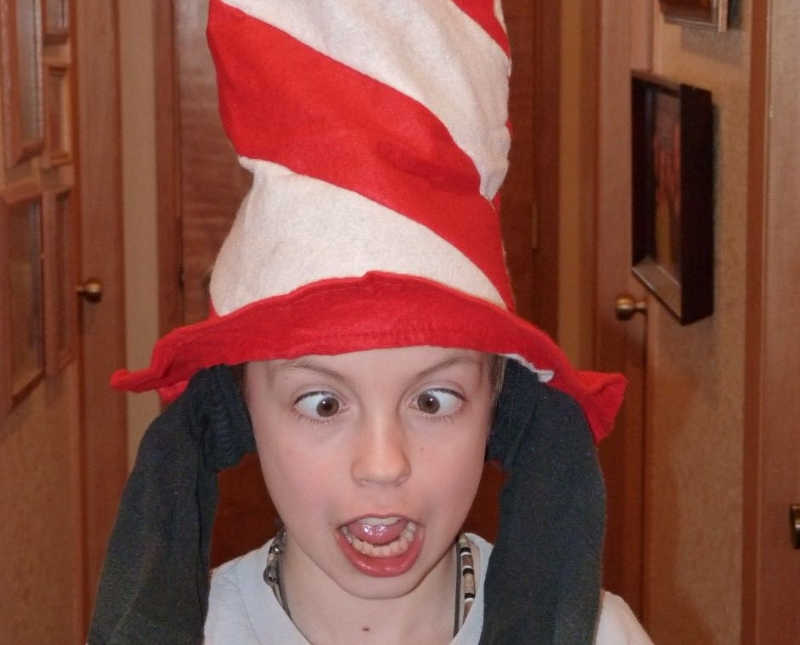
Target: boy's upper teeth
{"points": [[377, 521]]}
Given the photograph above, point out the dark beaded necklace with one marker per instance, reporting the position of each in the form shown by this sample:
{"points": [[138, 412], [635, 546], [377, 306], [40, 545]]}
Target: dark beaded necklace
{"points": [[465, 577]]}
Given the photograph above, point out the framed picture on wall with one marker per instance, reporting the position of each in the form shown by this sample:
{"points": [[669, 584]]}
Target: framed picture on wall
{"points": [[711, 14], [673, 184]]}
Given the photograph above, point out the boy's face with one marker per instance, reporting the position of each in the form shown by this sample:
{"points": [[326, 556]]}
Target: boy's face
{"points": [[372, 459]]}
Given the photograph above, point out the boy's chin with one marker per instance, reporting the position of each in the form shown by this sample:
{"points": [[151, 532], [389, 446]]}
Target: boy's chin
{"points": [[364, 586]]}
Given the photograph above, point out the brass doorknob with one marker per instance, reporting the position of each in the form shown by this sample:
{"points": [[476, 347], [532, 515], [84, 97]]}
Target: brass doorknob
{"points": [[794, 520], [91, 290], [626, 307]]}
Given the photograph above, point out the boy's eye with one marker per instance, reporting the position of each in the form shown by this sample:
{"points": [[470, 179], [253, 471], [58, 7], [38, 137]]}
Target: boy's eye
{"points": [[438, 402], [318, 405]]}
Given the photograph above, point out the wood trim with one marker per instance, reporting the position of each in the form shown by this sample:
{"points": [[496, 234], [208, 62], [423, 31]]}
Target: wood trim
{"points": [[98, 151], [20, 191], [753, 403], [53, 36], [57, 279], [25, 193], [170, 291], [770, 567], [545, 179], [590, 144], [5, 331], [17, 149], [82, 605], [50, 280], [642, 40], [619, 347], [56, 153], [10, 86]]}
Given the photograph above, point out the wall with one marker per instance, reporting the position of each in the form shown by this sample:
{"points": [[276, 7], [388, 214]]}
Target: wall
{"points": [[139, 202], [695, 378]]}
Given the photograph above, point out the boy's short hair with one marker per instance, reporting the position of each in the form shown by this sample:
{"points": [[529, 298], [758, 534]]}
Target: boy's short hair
{"points": [[497, 368]]}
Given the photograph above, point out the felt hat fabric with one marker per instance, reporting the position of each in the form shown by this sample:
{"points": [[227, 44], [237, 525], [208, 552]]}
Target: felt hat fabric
{"points": [[377, 134]]}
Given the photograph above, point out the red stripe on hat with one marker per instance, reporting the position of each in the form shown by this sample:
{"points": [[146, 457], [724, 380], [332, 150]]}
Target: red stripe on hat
{"points": [[335, 124], [482, 12], [375, 311]]}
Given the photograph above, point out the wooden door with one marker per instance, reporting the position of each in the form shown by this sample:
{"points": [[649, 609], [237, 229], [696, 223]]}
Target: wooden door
{"points": [[62, 457], [200, 180]]}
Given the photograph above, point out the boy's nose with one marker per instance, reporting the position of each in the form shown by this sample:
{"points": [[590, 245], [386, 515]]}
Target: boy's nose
{"points": [[381, 455]]}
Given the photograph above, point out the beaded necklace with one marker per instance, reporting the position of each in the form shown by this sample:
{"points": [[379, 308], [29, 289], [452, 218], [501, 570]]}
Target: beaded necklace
{"points": [[465, 577]]}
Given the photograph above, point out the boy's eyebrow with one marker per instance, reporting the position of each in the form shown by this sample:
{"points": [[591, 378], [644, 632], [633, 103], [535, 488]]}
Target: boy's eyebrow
{"points": [[305, 363], [449, 362]]}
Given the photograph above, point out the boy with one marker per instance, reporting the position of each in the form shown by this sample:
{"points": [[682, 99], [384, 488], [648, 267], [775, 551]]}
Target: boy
{"points": [[363, 288], [372, 459]]}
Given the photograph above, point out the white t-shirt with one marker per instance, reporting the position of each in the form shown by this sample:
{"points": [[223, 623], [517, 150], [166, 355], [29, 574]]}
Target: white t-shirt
{"points": [[243, 610]]}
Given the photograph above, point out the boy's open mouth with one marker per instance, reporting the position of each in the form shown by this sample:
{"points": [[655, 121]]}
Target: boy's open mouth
{"points": [[381, 546], [380, 537]]}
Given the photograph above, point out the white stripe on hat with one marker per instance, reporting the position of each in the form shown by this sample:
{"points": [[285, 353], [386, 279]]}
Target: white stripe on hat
{"points": [[498, 12], [315, 231], [429, 50]]}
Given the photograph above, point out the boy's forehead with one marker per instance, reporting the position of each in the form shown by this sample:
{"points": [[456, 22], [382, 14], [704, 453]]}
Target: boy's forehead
{"points": [[414, 359]]}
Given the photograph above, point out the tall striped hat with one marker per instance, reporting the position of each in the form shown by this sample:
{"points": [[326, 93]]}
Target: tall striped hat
{"points": [[377, 135]]}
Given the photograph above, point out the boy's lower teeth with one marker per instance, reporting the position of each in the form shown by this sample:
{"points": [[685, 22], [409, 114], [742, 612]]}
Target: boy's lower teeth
{"points": [[395, 547]]}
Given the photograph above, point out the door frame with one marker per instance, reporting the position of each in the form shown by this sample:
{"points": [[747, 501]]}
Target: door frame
{"points": [[102, 329], [771, 567], [621, 35]]}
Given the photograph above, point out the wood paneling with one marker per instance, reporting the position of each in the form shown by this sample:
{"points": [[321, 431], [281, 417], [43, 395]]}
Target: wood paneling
{"points": [[170, 261], [60, 277], [41, 599], [212, 182], [539, 71], [530, 192]]}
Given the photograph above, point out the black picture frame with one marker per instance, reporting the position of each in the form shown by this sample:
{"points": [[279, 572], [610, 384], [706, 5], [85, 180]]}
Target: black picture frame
{"points": [[673, 194]]}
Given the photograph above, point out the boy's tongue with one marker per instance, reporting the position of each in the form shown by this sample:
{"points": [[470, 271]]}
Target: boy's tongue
{"points": [[376, 532]]}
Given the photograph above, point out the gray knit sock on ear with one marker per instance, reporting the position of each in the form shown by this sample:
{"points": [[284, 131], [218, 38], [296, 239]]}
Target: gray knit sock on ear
{"points": [[544, 576], [155, 580]]}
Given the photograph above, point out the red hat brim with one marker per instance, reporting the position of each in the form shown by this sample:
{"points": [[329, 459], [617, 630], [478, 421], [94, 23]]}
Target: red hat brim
{"points": [[378, 310]]}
